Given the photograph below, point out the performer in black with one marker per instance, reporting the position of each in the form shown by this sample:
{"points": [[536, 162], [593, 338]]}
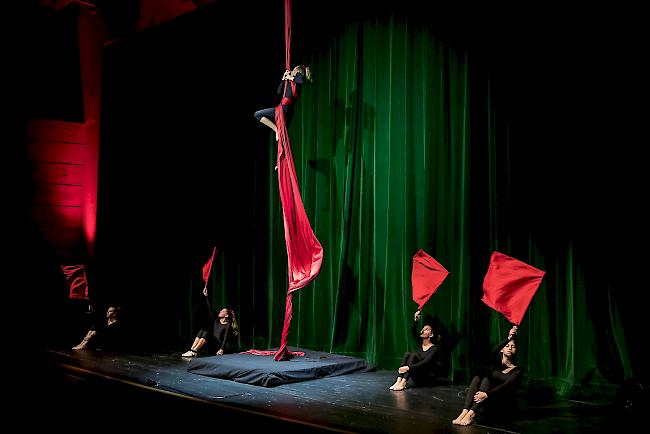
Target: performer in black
{"points": [[291, 83], [224, 325], [495, 393], [107, 336], [419, 365]]}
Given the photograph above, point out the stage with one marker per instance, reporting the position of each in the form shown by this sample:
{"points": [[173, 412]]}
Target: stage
{"points": [[72, 389]]}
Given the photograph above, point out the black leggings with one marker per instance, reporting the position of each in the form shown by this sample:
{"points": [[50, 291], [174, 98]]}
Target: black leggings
{"points": [[476, 385], [203, 334], [269, 113], [409, 359], [212, 343]]}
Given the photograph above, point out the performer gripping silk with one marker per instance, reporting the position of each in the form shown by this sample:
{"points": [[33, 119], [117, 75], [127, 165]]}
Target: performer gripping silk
{"points": [[289, 88]]}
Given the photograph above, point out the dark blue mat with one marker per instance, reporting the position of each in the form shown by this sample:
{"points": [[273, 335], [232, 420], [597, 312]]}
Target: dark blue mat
{"points": [[265, 371]]}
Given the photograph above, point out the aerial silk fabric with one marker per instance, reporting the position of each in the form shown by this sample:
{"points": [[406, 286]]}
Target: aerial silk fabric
{"points": [[76, 278], [272, 353], [304, 251], [287, 33], [509, 286], [426, 277]]}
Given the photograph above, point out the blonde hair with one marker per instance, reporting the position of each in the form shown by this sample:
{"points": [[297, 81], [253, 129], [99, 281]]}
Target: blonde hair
{"points": [[306, 71], [233, 322]]}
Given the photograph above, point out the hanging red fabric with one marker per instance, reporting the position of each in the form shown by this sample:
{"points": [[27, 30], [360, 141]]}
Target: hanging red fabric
{"points": [[287, 33], [76, 278], [304, 251], [509, 286], [287, 54]]}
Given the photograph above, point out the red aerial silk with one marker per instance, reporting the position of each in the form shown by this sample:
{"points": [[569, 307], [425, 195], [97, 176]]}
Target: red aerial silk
{"points": [[426, 277], [510, 285], [304, 251], [208, 267], [76, 277], [287, 33], [270, 353]]}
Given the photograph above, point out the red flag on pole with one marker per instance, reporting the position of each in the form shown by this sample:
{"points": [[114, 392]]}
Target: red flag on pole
{"points": [[509, 286], [208, 267], [427, 275], [76, 278]]}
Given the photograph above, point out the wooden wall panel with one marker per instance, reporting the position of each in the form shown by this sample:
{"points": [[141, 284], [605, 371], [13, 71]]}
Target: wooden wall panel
{"points": [[57, 194], [62, 216], [58, 173], [58, 131], [50, 151]]}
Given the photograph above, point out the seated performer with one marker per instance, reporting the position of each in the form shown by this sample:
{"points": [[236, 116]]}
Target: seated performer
{"points": [[224, 326], [108, 336], [495, 393], [418, 365]]}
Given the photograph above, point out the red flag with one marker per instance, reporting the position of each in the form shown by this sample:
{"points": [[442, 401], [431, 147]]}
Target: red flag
{"points": [[510, 285], [76, 277], [426, 277], [208, 266]]}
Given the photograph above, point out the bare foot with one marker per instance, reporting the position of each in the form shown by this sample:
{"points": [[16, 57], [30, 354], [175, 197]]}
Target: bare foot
{"points": [[460, 417], [468, 419], [400, 385], [81, 346]]}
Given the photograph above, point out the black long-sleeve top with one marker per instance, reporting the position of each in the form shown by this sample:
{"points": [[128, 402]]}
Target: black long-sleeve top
{"points": [[109, 336], [426, 357], [219, 331], [503, 383], [288, 93]]}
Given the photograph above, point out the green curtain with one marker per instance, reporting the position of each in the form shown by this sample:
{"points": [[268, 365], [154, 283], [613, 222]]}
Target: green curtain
{"points": [[400, 144], [382, 174]]}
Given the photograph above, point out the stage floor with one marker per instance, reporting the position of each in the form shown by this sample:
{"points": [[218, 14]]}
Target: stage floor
{"points": [[151, 391]]}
